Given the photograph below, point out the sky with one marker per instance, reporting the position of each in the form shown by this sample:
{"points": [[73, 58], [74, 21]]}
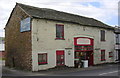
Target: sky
{"points": [[105, 11]]}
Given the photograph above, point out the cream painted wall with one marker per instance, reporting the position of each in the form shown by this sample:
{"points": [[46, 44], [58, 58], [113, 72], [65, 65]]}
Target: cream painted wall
{"points": [[43, 40]]}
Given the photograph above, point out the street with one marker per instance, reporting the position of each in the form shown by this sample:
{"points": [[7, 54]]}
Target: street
{"points": [[100, 70], [111, 70]]}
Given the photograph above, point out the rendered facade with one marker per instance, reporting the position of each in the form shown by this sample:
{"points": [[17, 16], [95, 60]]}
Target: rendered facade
{"points": [[40, 38]]}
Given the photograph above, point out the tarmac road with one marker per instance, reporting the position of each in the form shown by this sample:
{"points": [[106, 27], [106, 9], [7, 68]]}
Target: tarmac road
{"points": [[98, 71], [110, 70]]}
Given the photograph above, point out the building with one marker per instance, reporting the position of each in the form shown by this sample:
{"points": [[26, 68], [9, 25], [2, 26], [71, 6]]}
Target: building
{"points": [[2, 48], [41, 38], [117, 45]]}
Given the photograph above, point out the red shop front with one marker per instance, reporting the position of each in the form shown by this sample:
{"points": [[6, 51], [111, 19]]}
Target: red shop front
{"points": [[83, 46]]}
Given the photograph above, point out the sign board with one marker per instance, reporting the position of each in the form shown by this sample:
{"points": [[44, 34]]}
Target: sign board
{"points": [[83, 41], [25, 25]]}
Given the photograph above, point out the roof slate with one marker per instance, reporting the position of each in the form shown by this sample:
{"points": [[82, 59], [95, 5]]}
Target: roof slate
{"points": [[46, 13]]}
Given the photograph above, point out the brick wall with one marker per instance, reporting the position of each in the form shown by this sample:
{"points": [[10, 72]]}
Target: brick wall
{"points": [[17, 44]]}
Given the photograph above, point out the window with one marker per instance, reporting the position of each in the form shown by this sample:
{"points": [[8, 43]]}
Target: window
{"points": [[102, 55], [77, 55], [102, 35], [59, 31], [117, 38], [110, 54], [42, 58], [25, 25], [84, 48]]}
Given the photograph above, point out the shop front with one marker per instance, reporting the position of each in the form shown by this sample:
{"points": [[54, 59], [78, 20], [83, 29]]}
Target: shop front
{"points": [[83, 50]]}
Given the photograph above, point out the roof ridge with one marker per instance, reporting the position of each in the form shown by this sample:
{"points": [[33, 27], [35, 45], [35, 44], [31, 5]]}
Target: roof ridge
{"points": [[53, 14], [54, 10]]}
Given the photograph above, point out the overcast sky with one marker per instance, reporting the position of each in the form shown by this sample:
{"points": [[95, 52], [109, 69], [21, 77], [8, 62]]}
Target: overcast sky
{"points": [[102, 10]]}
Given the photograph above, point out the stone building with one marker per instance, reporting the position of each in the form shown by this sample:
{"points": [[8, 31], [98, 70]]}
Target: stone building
{"points": [[2, 48], [41, 38]]}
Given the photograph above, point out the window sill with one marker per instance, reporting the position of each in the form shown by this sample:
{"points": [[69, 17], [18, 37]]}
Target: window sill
{"points": [[103, 40], [110, 56], [59, 39], [103, 59], [42, 63], [60, 64]]}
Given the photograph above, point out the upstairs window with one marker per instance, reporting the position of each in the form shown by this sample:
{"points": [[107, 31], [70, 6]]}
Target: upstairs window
{"points": [[117, 38], [25, 25], [110, 54], [102, 35], [42, 58], [59, 31], [102, 55]]}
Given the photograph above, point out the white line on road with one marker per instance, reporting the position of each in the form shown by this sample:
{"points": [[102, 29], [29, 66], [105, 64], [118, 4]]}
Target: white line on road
{"points": [[109, 72]]}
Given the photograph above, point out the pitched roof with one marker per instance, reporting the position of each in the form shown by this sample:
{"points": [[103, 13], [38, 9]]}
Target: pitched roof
{"points": [[117, 30], [46, 13]]}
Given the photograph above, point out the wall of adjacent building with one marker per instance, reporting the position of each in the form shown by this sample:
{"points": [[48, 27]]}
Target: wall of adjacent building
{"points": [[43, 41]]}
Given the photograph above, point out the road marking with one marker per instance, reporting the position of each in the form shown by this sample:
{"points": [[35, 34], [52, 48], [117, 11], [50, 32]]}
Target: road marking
{"points": [[109, 72]]}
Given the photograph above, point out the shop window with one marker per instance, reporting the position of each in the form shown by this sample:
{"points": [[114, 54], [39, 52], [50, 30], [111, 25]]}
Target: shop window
{"points": [[110, 54], [42, 58], [59, 31], [77, 55], [102, 55], [25, 25], [102, 35], [83, 48]]}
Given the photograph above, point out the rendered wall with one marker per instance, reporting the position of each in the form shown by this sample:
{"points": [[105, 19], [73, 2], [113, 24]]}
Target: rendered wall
{"points": [[43, 40]]}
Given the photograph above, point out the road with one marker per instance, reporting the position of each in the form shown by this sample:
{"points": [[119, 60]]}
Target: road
{"points": [[111, 70], [102, 70]]}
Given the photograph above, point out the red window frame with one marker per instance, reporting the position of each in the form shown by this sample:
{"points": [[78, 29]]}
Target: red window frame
{"points": [[102, 34], [103, 54], [110, 55], [62, 26], [42, 63]]}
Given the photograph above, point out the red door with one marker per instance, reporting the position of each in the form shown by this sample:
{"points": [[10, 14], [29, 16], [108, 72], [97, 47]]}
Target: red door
{"points": [[60, 57], [89, 57]]}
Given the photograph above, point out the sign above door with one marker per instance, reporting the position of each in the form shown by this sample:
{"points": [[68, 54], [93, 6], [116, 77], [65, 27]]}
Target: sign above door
{"points": [[83, 41]]}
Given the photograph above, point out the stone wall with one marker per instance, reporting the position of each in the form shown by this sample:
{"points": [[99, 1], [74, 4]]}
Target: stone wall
{"points": [[17, 44]]}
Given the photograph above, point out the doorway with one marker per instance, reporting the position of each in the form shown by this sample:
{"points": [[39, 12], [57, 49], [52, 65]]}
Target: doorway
{"points": [[83, 47], [60, 58], [88, 55]]}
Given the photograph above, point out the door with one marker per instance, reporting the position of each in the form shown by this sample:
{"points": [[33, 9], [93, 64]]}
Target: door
{"points": [[89, 57], [60, 58]]}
